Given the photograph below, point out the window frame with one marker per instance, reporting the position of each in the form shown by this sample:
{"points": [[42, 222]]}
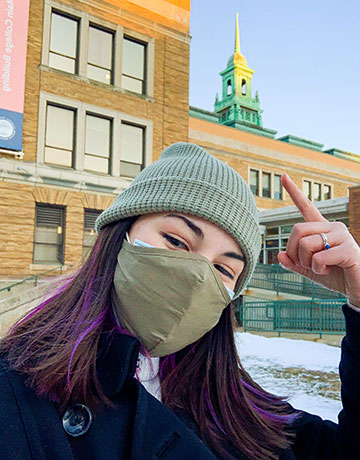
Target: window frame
{"points": [[76, 19], [269, 174], [259, 181], [272, 183], [111, 137], [145, 45], [142, 166], [73, 153], [111, 31], [87, 20], [322, 184], [117, 118], [63, 226]]}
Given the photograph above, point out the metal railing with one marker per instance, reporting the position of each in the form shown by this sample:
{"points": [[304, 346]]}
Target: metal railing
{"points": [[277, 279], [34, 278], [302, 316]]}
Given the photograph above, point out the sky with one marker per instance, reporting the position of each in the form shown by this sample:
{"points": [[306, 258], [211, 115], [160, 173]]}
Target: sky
{"points": [[306, 57]]}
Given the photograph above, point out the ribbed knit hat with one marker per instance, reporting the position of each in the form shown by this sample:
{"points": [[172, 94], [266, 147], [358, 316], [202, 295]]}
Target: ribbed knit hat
{"points": [[189, 180]]}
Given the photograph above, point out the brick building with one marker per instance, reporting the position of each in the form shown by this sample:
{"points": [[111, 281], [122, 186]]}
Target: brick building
{"points": [[102, 79], [106, 89]]}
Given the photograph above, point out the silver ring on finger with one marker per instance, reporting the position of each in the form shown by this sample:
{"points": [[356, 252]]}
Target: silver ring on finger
{"points": [[325, 241]]}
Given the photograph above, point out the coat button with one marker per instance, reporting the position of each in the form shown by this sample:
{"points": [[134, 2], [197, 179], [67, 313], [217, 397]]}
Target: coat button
{"points": [[77, 420]]}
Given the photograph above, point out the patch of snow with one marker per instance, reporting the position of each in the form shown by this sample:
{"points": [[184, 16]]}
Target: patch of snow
{"points": [[266, 360], [288, 352]]}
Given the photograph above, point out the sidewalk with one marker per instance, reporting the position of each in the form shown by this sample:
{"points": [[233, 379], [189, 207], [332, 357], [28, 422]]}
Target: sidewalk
{"points": [[328, 339]]}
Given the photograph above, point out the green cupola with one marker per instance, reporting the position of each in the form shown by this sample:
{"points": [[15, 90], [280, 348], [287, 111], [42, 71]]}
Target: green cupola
{"points": [[237, 108]]}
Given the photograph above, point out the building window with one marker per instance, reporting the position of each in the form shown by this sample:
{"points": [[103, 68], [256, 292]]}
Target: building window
{"points": [[278, 190], [90, 216], [326, 192], [229, 88], [307, 189], [133, 65], [276, 239], [49, 234], [59, 137], [132, 150], [243, 87], [63, 50], [100, 55], [254, 181], [97, 144], [317, 191], [266, 185]]}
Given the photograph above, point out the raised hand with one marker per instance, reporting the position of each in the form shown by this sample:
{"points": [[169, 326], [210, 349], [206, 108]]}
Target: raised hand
{"points": [[338, 267]]}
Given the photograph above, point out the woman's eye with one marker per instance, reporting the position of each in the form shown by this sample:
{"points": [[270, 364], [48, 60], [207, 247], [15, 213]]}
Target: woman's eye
{"points": [[223, 271], [175, 242]]}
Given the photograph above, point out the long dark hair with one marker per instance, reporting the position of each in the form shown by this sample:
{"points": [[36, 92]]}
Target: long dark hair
{"points": [[56, 346]]}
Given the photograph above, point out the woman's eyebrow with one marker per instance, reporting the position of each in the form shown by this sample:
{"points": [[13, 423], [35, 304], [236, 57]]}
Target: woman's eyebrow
{"points": [[197, 230], [235, 255]]}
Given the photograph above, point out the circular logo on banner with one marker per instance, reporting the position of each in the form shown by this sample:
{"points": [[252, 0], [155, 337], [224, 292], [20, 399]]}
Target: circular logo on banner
{"points": [[7, 129]]}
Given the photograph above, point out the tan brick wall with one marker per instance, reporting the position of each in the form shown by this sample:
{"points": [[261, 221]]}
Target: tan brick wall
{"points": [[242, 157], [354, 212], [168, 111], [17, 224]]}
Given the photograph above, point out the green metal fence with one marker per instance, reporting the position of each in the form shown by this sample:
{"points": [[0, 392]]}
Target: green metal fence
{"points": [[305, 316], [275, 278]]}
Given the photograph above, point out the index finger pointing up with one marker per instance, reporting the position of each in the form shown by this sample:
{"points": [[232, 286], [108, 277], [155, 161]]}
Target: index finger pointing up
{"points": [[309, 212]]}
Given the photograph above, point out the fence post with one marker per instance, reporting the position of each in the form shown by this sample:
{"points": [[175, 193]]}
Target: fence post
{"points": [[244, 315], [320, 320], [278, 313]]}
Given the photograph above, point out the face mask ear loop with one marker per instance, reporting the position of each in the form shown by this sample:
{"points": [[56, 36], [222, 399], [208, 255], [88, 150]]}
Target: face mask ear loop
{"points": [[128, 238]]}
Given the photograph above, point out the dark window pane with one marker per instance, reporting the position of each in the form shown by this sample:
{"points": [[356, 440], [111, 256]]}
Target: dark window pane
{"points": [[286, 229], [254, 181], [90, 236], [49, 234], [327, 192], [272, 231], [272, 243], [307, 189], [271, 256], [277, 187], [266, 185], [317, 191]]}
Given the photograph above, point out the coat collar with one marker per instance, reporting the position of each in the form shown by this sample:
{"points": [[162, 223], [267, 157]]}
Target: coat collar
{"points": [[117, 361]]}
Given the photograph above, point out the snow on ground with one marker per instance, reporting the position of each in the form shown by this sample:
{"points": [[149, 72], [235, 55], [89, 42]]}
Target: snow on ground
{"points": [[304, 371]]}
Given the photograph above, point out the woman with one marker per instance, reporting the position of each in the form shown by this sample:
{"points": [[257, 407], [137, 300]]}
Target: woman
{"points": [[150, 309]]}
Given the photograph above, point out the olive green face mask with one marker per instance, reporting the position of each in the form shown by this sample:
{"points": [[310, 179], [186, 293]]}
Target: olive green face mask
{"points": [[167, 299]]}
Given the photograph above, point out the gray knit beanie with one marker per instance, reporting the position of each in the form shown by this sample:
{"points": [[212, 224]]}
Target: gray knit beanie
{"points": [[189, 180]]}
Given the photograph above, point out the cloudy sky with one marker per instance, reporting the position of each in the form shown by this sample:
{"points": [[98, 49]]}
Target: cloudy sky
{"points": [[306, 57]]}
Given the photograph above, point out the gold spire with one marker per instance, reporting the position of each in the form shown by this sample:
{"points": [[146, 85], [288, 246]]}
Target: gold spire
{"points": [[237, 35]]}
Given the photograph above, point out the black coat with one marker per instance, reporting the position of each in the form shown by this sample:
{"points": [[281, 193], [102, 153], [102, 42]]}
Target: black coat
{"points": [[141, 428]]}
